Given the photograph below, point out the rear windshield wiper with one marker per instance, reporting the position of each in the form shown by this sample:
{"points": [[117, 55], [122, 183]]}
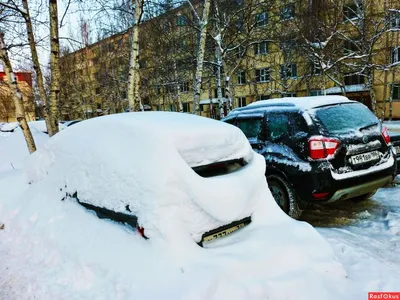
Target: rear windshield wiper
{"points": [[368, 126]]}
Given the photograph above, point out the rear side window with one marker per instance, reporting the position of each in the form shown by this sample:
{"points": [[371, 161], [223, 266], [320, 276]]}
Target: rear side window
{"points": [[251, 127], [345, 117], [278, 126], [282, 126]]}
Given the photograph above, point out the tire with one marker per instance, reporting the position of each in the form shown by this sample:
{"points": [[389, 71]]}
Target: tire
{"points": [[284, 195], [363, 197]]}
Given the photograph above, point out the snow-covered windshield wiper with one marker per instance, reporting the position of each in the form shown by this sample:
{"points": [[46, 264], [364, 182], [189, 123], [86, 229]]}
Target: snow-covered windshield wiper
{"points": [[368, 126]]}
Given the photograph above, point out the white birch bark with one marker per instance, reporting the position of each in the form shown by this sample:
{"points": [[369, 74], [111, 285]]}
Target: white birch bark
{"points": [[135, 103], [200, 56], [54, 67], [36, 65], [16, 95]]}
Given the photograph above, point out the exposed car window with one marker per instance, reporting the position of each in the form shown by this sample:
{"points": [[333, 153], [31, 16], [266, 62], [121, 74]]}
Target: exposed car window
{"points": [[345, 117], [251, 127], [278, 126]]}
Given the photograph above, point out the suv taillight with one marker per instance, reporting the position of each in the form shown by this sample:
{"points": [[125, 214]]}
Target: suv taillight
{"points": [[386, 135], [322, 147]]}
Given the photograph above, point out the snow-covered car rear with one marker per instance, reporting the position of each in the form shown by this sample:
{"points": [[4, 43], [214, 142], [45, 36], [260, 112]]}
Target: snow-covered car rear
{"points": [[170, 173], [317, 149]]}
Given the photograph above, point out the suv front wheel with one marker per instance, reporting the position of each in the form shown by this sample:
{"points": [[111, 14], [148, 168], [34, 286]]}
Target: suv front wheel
{"points": [[284, 195]]}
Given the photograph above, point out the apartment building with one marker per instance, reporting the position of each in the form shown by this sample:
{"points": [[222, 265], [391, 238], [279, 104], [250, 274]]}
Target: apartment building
{"points": [[255, 50], [7, 107]]}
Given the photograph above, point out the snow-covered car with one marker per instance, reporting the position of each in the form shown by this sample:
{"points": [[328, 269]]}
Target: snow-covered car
{"points": [[161, 172], [9, 127], [318, 149], [70, 123], [33, 125]]}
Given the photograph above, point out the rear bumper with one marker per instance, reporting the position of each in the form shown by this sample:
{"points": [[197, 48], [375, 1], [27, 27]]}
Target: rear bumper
{"points": [[353, 185], [361, 189]]}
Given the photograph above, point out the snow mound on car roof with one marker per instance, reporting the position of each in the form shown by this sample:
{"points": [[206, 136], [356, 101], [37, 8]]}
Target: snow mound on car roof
{"points": [[141, 163], [303, 102]]}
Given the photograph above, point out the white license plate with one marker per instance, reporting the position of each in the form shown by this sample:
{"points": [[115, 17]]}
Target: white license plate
{"points": [[364, 157], [397, 150]]}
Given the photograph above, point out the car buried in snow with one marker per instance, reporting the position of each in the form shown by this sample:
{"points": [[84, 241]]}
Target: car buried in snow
{"points": [[317, 149], [159, 172]]}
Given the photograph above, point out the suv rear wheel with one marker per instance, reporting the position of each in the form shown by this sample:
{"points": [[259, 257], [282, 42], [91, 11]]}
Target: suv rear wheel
{"points": [[284, 195]]}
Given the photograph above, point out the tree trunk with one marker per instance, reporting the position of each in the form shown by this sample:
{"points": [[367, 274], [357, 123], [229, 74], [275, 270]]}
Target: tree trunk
{"points": [[228, 94], [16, 95], [219, 86], [370, 87], [134, 100], [36, 66], [54, 67], [200, 57], [178, 100]]}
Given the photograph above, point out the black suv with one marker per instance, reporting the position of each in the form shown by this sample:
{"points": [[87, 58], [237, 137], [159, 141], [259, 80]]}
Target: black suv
{"points": [[395, 138], [317, 149]]}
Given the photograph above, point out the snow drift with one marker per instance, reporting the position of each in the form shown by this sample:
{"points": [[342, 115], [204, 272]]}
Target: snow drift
{"points": [[54, 249]]}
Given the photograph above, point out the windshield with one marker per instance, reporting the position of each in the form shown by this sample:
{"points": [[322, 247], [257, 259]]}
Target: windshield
{"points": [[345, 117]]}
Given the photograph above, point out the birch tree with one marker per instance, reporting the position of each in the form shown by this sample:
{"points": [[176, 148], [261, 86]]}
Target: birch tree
{"points": [[135, 103], [25, 13], [36, 66], [16, 95], [54, 66], [200, 55]]}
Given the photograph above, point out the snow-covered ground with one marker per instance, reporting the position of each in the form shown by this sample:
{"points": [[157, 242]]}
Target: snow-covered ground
{"points": [[52, 249], [365, 237]]}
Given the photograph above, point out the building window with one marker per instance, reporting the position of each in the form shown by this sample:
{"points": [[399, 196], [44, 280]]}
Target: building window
{"points": [[181, 21], [316, 69], [241, 76], [350, 46], [287, 45], [184, 87], [316, 93], [396, 55], [241, 101], [240, 51], [184, 44], [261, 48], [395, 19], [396, 92], [165, 27], [263, 97], [288, 71], [263, 75], [351, 11], [239, 25], [287, 12], [288, 95], [261, 19], [354, 79], [186, 107]]}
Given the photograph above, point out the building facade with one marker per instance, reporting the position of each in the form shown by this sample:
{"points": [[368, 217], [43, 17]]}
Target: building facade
{"points": [[256, 50], [7, 107]]}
